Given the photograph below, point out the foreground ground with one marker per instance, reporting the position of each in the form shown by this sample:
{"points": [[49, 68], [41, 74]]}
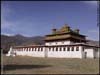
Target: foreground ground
{"points": [[32, 65]]}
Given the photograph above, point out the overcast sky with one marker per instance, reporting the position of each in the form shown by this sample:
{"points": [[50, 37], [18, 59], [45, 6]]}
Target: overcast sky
{"points": [[37, 18]]}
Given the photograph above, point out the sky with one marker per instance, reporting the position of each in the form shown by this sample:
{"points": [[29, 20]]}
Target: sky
{"points": [[37, 18]]}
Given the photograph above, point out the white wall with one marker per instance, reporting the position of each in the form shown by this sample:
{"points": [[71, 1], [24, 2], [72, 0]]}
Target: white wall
{"points": [[65, 54], [89, 52], [52, 52], [32, 53]]}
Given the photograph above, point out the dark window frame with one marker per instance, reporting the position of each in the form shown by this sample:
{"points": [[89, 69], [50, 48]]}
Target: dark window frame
{"points": [[77, 48], [64, 48], [72, 49], [68, 48], [56, 48], [60, 49]]}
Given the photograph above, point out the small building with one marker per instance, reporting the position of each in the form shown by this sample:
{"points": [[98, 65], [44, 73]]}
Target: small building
{"points": [[61, 43]]}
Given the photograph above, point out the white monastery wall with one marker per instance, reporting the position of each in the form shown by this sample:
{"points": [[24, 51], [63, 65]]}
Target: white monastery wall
{"points": [[68, 53], [35, 52], [58, 52], [89, 53]]}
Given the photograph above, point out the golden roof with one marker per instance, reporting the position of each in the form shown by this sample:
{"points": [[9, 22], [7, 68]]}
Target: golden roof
{"points": [[64, 29], [64, 37], [64, 33]]}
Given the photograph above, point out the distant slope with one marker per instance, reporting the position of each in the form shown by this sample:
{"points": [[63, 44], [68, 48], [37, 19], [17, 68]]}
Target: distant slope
{"points": [[92, 42], [16, 40]]}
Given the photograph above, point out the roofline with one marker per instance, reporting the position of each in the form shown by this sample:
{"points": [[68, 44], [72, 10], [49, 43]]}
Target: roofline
{"points": [[69, 38], [57, 46], [65, 33]]}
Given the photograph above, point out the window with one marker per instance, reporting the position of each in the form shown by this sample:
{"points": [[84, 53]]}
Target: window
{"points": [[38, 49], [56, 49], [29, 49], [77, 48], [60, 49], [49, 48], [41, 49], [32, 49], [68, 48], [26, 49], [23, 49], [72, 48], [35, 49], [64, 49], [63, 42], [52, 49]]}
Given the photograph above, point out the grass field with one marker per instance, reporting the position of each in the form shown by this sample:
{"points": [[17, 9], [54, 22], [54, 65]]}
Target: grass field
{"points": [[32, 65]]}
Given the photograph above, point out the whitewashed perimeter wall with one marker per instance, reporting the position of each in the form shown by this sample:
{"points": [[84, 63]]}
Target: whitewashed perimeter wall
{"points": [[57, 53], [52, 52], [89, 53], [32, 53], [58, 43], [65, 54]]}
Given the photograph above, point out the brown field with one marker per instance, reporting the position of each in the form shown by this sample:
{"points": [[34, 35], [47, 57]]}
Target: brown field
{"points": [[33, 65]]}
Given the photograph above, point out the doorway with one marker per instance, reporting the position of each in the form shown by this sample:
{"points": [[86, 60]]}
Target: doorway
{"points": [[85, 54]]}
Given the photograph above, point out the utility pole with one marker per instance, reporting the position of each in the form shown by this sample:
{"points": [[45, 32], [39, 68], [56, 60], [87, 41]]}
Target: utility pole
{"points": [[1, 61], [98, 13]]}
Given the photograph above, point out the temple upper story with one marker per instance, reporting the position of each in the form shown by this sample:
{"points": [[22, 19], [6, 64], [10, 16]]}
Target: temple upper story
{"points": [[66, 34], [64, 29]]}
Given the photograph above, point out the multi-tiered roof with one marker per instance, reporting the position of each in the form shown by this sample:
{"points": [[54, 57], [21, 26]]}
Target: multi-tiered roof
{"points": [[65, 33]]}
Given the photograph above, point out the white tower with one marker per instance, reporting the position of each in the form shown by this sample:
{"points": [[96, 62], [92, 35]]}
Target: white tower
{"points": [[11, 52]]}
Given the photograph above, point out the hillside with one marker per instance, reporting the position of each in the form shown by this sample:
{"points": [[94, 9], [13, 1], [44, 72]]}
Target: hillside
{"points": [[16, 40], [92, 42]]}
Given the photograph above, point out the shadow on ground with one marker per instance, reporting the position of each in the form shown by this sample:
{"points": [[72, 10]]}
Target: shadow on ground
{"points": [[14, 67]]}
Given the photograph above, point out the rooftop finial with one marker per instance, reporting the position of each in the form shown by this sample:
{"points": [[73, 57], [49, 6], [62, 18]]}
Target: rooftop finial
{"points": [[77, 30], [66, 25]]}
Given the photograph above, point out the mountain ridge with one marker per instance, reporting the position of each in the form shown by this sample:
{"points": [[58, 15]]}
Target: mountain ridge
{"points": [[18, 39]]}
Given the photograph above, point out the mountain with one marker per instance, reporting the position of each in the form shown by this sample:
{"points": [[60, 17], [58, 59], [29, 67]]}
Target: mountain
{"points": [[17, 40], [92, 42]]}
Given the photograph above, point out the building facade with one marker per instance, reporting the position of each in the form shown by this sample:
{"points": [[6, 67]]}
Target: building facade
{"points": [[62, 43]]}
